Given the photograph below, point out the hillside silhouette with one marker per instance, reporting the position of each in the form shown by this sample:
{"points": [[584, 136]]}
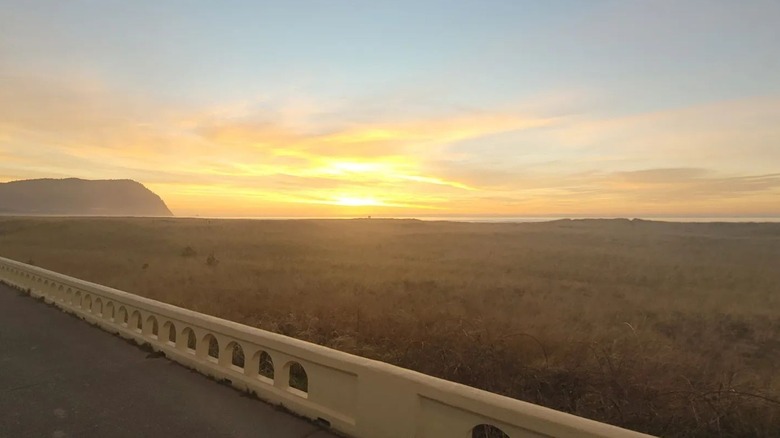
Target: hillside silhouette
{"points": [[79, 197]]}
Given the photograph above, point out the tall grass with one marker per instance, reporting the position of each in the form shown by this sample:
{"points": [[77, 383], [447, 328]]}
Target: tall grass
{"points": [[670, 329]]}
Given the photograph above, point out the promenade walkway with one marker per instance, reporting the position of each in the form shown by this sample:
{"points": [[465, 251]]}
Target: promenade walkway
{"points": [[61, 377]]}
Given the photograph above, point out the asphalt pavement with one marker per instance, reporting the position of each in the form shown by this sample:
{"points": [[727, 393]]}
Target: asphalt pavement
{"points": [[60, 377]]}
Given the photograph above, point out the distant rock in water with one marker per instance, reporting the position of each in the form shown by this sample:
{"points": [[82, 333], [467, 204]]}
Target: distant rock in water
{"points": [[79, 197]]}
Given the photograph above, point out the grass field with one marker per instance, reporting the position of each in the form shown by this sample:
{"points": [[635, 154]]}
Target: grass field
{"points": [[669, 329]]}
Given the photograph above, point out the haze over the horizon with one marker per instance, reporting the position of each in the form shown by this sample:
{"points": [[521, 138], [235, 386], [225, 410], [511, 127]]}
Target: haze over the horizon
{"points": [[308, 108]]}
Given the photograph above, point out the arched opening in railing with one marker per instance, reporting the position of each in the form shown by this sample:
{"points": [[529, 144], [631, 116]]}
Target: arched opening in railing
{"points": [[122, 316], [266, 366], [87, 303], [136, 322], [189, 336], [299, 380], [109, 312], [77, 299], [237, 359], [151, 327], [210, 348], [487, 431], [169, 333], [97, 307]]}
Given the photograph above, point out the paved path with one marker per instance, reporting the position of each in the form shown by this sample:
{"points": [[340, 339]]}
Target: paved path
{"points": [[61, 377]]}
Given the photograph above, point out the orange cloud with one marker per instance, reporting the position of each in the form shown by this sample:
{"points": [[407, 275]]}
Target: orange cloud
{"points": [[738, 135], [238, 161]]}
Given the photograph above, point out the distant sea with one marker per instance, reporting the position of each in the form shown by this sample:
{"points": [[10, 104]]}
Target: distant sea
{"points": [[547, 219], [517, 219]]}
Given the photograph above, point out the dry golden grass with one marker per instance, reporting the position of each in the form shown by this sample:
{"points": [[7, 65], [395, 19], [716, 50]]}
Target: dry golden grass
{"points": [[670, 329]]}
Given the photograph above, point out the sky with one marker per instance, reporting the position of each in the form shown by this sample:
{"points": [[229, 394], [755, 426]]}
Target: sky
{"points": [[401, 108]]}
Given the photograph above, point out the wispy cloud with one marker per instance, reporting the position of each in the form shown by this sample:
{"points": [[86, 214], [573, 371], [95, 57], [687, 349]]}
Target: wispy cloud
{"points": [[737, 135], [248, 159]]}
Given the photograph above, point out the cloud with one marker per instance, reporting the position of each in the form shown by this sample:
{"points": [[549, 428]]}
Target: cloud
{"points": [[687, 183], [661, 176], [61, 128], [553, 191], [736, 135], [246, 159], [368, 139]]}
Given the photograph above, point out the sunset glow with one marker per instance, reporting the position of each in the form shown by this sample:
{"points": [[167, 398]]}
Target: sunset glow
{"points": [[486, 108], [348, 201]]}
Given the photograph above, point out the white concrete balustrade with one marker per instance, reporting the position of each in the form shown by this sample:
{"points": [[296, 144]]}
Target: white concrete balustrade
{"points": [[356, 396]]}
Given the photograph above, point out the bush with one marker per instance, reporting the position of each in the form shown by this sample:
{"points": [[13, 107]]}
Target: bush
{"points": [[189, 252]]}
